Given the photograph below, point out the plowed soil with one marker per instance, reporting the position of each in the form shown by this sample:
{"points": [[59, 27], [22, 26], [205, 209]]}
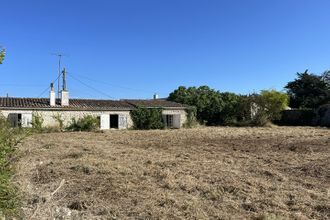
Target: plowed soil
{"points": [[203, 173]]}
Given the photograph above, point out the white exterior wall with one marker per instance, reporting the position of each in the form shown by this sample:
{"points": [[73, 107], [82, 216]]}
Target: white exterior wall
{"points": [[49, 120], [48, 116], [182, 113]]}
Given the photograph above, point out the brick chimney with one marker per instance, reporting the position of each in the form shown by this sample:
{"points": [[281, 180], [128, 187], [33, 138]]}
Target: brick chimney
{"points": [[52, 95]]}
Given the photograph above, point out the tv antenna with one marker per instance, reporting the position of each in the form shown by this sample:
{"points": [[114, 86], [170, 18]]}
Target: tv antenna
{"points": [[60, 55]]}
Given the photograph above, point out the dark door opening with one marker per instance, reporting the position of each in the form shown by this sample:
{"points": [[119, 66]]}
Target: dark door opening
{"points": [[19, 120], [114, 121], [98, 121]]}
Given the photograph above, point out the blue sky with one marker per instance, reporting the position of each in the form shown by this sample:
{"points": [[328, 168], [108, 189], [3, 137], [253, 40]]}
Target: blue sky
{"points": [[133, 48]]}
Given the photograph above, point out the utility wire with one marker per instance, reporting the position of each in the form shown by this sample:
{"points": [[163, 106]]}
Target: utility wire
{"points": [[58, 78], [114, 85], [19, 85], [85, 84]]}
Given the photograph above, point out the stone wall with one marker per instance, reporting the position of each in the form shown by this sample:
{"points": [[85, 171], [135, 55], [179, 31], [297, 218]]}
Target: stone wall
{"points": [[300, 117]]}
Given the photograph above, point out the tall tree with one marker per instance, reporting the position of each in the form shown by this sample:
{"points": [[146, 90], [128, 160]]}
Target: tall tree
{"points": [[308, 90], [208, 102], [326, 77]]}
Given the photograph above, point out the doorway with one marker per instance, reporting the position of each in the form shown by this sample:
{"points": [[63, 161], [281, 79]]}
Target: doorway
{"points": [[169, 121], [172, 121], [114, 121]]}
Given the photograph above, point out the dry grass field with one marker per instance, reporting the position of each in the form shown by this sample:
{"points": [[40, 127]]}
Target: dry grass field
{"points": [[203, 173]]}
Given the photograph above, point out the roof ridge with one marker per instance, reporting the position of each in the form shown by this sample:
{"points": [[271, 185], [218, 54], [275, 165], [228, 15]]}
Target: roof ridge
{"points": [[86, 104]]}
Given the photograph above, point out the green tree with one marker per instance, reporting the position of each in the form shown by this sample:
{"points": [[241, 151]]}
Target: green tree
{"points": [[216, 108], [326, 77], [208, 102], [230, 111], [309, 90], [273, 103], [2, 55]]}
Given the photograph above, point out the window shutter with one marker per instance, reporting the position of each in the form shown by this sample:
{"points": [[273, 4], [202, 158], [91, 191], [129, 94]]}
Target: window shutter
{"points": [[122, 121]]}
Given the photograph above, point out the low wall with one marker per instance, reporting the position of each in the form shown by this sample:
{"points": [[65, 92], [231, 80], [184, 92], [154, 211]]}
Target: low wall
{"points": [[323, 115], [297, 118], [318, 117]]}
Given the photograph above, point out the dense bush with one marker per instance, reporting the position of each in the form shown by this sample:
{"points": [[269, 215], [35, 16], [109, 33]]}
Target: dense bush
{"points": [[191, 118], [59, 119], [37, 121], [260, 109], [216, 108], [86, 123], [145, 118], [9, 137], [230, 113], [273, 103], [208, 102]]}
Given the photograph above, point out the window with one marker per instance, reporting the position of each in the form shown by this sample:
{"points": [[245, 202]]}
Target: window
{"points": [[15, 119], [169, 121]]}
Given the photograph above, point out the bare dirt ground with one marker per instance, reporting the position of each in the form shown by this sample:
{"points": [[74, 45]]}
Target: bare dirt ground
{"points": [[204, 173]]}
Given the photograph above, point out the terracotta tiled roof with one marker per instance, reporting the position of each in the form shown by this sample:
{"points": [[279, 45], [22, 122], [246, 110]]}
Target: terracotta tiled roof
{"points": [[84, 104], [155, 103]]}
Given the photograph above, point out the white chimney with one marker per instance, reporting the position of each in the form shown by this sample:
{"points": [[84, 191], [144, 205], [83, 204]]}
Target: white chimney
{"points": [[52, 95], [64, 98], [156, 96], [64, 92]]}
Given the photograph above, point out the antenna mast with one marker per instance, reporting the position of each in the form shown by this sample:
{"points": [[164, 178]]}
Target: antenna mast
{"points": [[60, 55]]}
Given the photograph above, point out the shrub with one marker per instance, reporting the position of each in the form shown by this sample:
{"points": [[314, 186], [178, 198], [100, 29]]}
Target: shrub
{"points": [[87, 123], [191, 118], [9, 137], [208, 102], [145, 118], [273, 103], [216, 108], [261, 118], [59, 119], [37, 122]]}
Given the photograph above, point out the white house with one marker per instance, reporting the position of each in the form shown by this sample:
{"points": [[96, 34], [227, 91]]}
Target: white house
{"points": [[112, 114]]}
